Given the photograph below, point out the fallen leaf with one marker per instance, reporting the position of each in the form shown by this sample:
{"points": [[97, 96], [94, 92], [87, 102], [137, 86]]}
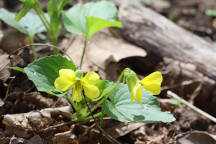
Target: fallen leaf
{"points": [[4, 65], [197, 137], [102, 48], [22, 124], [64, 137]]}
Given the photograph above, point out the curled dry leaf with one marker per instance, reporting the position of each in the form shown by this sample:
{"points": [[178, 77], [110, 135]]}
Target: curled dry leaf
{"points": [[65, 137], [123, 129], [197, 137], [22, 124]]}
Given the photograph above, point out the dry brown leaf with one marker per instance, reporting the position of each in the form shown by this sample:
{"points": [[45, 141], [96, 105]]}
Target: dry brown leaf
{"points": [[122, 129], [63, 138], [197, 137], [102, 48], [4, 65], [22, 124], [36, 99]]}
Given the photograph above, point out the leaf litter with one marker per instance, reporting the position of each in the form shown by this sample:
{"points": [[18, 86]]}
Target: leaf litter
{"points": [[38, 108]]}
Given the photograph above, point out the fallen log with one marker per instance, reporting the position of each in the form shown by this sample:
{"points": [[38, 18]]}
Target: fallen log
{"points": [[155, 33]]}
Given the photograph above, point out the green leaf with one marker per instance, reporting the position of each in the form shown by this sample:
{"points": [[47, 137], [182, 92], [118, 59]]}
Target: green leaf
{"points": [[120, 107], [29, 24], [210, 12], [25, 9], [28, 4], [17, 69], [44, 71], [104, 87], [91, 17], [96, 24]]}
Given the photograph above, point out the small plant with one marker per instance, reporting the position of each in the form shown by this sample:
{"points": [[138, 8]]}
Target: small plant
{"points": [[90, 18], [51, 23], [29, 25], [81, 19], [129, 101]]}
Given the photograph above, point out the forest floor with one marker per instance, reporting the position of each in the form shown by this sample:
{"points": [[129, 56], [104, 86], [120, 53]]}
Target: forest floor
{"points": [[19, 96]]}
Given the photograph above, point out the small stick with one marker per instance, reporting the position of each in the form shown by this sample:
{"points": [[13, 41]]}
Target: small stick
{"points": [[8, 88], [40, 44], [169, 93]]}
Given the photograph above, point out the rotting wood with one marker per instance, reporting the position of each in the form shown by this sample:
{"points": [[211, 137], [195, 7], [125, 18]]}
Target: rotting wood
{"points": [[148, 29]]}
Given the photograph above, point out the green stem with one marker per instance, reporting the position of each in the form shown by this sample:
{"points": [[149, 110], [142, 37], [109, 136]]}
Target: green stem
{"points": [[108, 94], [55, 43], [96, 106], [43, 21], [40, 13], [88, 118], [83, 53], [71, 102], [33, 47]]}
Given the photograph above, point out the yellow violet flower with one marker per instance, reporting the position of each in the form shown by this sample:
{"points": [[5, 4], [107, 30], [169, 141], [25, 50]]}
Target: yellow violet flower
{"points": [[68, 78], [150, 83]]}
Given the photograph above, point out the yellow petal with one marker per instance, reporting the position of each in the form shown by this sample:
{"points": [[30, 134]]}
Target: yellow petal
{"points": [[136, 94], [77, 92], [65, 80], [62, 84], [67, 74], [139, 95], [91, 78], [153, 88], [155, 77], [91, 91], [152, 83]]}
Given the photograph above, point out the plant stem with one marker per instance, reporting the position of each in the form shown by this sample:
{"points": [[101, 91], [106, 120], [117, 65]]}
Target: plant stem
{"points": [[55, 43], [40, 13], [88, 118], [83, 53], [96, 106], [107, 95], [71, 102], [43, 21], [33, 47]]}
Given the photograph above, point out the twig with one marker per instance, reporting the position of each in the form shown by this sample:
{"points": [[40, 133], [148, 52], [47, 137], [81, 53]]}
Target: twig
{"points": [[8, 88], [39, 44], [169, 93], [195, 93]]}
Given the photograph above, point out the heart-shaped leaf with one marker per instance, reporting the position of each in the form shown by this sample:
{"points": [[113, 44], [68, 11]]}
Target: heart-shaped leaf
{"points": [[44, 71], [120, 107], [91, 17], [96, 24], [30, 24]]}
